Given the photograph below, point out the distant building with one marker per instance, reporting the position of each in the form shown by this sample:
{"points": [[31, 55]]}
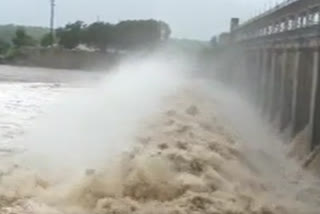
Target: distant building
{"points": [[234, 24], [227, 37], [214, 41], [224, 38]]}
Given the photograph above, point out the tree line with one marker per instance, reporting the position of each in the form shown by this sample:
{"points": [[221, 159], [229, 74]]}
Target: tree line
{"points": [[125, 35], [100, 36]]}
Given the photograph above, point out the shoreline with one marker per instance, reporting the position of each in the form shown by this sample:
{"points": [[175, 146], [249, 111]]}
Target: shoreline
{"points": [[57, 58]]}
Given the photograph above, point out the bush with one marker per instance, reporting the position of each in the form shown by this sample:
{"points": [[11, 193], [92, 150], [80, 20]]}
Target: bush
{"points": [[47, 40], [4, 47]]}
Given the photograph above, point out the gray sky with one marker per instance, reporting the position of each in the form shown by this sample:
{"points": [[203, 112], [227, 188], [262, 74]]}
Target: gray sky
{"points": [[195, 19]]}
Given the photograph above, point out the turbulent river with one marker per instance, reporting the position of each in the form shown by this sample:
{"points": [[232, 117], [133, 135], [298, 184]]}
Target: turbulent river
{"points": [[149, 137]]}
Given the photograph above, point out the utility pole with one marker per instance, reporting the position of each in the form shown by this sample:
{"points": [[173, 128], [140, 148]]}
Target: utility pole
{"points": [[52, 6]]}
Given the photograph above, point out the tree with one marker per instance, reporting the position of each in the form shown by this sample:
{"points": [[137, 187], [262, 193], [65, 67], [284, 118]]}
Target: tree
{"points": [[4, 47], [71, 35], [141, 33], [165, 30], [47, 40], [7, 32], [99, 35], [22, 39], [126, 35]]}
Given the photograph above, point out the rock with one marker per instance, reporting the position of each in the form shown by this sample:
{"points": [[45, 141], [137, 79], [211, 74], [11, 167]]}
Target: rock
{"points": [[192, 110]]}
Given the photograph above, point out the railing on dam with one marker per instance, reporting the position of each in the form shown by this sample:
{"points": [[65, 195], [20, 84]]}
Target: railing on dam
{"points": [[288, 16], [275, 59], [270, 11]]}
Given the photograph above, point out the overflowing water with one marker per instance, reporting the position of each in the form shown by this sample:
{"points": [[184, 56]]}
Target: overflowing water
{"points": [[150, 136]]}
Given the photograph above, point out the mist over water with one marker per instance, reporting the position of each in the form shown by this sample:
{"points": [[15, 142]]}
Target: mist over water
{"points": [[153, 136], [265, 149], [87, 127]]}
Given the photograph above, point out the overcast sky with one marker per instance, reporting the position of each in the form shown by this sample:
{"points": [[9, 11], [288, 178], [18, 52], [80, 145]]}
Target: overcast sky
{"points": [[194, 19]]}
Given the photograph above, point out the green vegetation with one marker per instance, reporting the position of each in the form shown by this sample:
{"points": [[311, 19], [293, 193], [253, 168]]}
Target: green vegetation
{"points": [[13, 53], [126, 35], [47, 40], [70, 36], [7, 32], [139, 34], [13, 37], [22, 39], [4, 47], [100, 36], [11, 49]]}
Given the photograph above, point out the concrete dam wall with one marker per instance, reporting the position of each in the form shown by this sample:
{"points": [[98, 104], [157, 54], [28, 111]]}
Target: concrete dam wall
{"points": [[274, 60]]}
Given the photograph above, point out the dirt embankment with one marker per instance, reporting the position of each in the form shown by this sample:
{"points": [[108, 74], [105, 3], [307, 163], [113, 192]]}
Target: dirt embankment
{"points": [[64, 59]]}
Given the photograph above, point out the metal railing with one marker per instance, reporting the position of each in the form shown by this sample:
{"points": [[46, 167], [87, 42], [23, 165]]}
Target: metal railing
{"points": [[268, 12]]}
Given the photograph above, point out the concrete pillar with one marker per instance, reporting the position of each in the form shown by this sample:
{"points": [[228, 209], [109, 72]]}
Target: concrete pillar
{"points": [[315, 120], [269, 29], [254, 75], [262, 79], [278, 27], [286, 24], [317, 14], [290, 22], [242, 72], [253, 79], [295, 89], [281, 97], [247, 72], [304, 19], [277, 85], [304, 90], [259, 78], [246, 78], [315, 77], [295, 23], [272, 85], [267, 83], [286, 114], [309, 17], [312, 18], [300, 21], [273, 28]]}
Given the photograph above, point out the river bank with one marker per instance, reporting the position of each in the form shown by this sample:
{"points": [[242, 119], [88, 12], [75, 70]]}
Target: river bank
{"points": [[59, 58]]}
